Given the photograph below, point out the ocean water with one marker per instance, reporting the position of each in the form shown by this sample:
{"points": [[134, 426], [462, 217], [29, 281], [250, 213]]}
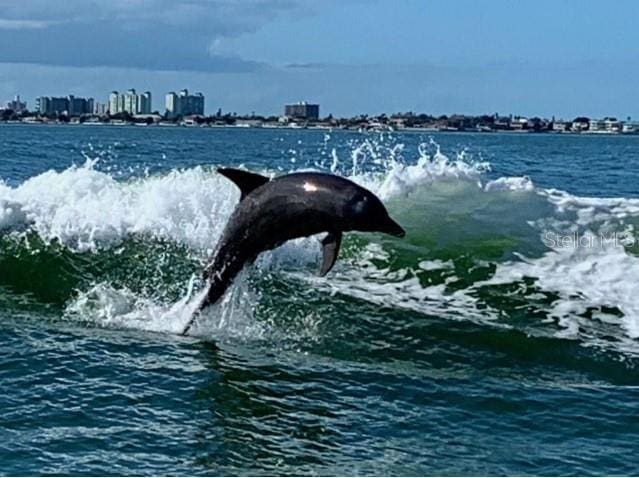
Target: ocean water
{"points": [[500, 336]]}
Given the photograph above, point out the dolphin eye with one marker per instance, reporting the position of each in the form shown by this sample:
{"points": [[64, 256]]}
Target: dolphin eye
{"points": [[360, 204]]}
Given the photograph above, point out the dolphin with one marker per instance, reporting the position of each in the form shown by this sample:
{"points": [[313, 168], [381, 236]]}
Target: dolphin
{"points": [[273, 211]]}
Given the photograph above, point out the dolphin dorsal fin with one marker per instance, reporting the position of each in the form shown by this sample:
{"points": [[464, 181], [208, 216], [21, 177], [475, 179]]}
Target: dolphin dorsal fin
{"points": [[243, 179]]}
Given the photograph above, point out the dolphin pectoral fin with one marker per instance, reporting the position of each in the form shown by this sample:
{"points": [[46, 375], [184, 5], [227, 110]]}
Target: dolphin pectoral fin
{"points": [[244, 180], [330, 249]]}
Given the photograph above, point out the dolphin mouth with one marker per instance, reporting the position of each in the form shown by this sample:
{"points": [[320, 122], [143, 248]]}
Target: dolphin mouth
{"points": [[392, 228]]}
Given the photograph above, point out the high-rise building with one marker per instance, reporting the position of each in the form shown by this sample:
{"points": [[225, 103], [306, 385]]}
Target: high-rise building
{"points": [[100, 109], [191, 104], [17, 105], [58, 106], [170, 104], [71, 105], [113, 102], [184, 104], [130, 102], [79, 106], [43, 104], [144, 103], [302, 110], [196, 104]]}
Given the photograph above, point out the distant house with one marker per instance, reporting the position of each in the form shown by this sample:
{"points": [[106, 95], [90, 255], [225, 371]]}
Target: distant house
{"points": [[519, 123], [596, 126], [249, 123], [149, 118], [560, 126], [606, 125], [398, 123], [613, 125], [580, 124], [501, 122]]}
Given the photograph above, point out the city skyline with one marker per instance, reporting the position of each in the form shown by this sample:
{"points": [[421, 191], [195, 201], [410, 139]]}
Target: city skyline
{"points": [[187, 109], [132, 102], [185, 105], [552, 58]]}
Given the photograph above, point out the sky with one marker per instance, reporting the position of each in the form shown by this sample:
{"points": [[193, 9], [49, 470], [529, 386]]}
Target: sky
{"points": [[545, 58]]}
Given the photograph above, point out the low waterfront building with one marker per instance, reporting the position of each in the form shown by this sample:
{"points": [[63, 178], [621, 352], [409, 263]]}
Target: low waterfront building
{"points": [[630, 127], [519, 123], [560, 126], [501, 122], [148, 117], [249, 123], [398, 123], [184, 104], [580, 124], [613, 125], [302, 110], [606, 125], [596, 126]]}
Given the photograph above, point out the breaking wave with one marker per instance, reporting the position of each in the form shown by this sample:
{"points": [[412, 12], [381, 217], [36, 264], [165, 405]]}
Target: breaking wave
{"points": [[499, 252]]}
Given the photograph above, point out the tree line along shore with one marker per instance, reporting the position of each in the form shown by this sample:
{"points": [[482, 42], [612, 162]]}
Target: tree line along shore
{"points": [[397, 121]]}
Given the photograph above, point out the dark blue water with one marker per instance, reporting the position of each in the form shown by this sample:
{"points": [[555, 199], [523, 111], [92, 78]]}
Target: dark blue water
{"points": [[592, 165], [472, 346]]}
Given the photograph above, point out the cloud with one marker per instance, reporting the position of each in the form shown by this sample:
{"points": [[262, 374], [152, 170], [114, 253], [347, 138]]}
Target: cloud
{"points": [[145, 34], [20, 24]]}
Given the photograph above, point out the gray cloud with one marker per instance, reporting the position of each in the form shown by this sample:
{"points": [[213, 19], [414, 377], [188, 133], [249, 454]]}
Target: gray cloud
{"points": [[145, 34]]}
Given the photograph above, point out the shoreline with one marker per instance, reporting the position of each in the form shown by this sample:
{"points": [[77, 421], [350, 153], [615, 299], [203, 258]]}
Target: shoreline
{"points": [[323, 128]]}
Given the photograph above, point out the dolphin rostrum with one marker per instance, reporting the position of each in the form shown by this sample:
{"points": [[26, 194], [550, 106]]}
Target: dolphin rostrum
{"points": [[271, 212]]}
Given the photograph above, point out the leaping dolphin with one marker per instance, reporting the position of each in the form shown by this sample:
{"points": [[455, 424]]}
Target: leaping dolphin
{"points": [[271, 212]]}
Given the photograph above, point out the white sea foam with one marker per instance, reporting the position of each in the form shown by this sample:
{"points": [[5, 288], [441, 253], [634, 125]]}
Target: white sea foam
{"points": [[86, 209], [435, 265], [510, 184], [589, 284]]}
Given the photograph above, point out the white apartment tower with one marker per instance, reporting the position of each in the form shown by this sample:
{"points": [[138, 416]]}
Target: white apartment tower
{"points": [[130, 102], [171, 104], [144, 103], [184, 104]]}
